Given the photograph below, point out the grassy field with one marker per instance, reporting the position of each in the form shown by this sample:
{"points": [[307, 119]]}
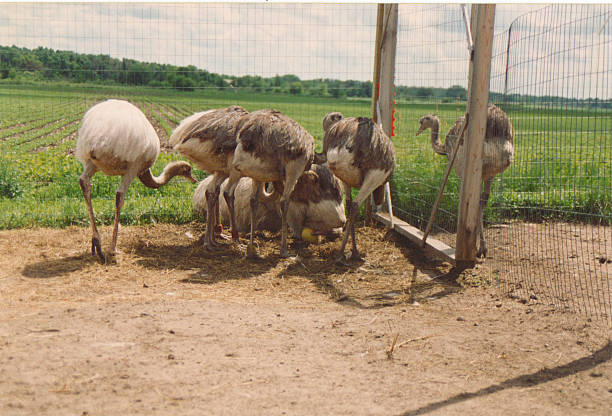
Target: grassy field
{"points": [[562, 164]]}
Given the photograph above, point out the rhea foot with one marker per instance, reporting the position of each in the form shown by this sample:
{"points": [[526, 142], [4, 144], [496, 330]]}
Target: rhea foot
{"points": [[251, 253], [482, 252], [356, 256], [207, 244], [96, 247], [340, 260]]}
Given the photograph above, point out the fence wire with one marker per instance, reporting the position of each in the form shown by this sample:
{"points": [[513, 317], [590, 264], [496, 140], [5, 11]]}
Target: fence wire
{"points": [[551, 72]]}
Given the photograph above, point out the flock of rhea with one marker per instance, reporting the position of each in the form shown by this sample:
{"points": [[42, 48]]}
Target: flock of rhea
{"points": [[264, 162]]}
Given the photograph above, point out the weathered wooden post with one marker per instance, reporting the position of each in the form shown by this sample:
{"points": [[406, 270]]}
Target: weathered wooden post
{"points": [[383, 80], [375, 88], [387, 66], [376, 72], [483, 16]]}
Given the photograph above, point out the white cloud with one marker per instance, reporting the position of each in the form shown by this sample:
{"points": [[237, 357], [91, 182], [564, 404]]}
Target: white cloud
{"points": [[309, 40]]}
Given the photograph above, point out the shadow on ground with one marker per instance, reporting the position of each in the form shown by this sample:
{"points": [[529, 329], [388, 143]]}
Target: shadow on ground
{"points": [[525, 381], [47, 269]]}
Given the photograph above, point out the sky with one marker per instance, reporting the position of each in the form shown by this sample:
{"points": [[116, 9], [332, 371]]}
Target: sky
{"points": [[333, 40]]}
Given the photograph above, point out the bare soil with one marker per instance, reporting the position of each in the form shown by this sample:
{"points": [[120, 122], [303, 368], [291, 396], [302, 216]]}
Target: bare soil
{"points": [[171, 329]]}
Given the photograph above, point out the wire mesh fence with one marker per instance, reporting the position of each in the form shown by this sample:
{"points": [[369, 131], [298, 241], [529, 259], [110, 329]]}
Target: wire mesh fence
{"points": [[548, 217], [549, 214], [551, 73]]}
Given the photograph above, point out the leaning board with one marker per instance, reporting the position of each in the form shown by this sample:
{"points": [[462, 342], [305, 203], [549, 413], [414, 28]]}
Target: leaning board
{"points": [[416, 236]]}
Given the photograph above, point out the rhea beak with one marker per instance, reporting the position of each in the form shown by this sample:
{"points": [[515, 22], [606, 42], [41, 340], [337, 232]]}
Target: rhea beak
{"points": [[420, 130], [191, 178], [320, 158]]}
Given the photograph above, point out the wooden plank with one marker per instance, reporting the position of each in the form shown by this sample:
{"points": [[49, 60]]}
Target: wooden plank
{"points": [[469, 203], [416, 236]]}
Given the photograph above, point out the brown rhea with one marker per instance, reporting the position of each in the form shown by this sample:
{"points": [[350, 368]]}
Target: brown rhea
{"points": [[208, 139], [362, 156], [271, 148], [496, 156]]}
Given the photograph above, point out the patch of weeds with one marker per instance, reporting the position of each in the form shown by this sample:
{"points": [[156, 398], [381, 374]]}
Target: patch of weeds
{"points": [[10, 183], [476, 278]]}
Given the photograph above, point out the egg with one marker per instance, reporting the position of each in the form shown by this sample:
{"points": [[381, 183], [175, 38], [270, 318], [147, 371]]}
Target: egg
{"points": [[308, 236]]}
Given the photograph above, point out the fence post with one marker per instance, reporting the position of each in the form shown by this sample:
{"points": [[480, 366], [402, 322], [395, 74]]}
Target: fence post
{"points": [[376, 74], [387, 66], [375, 89], [480, 70]]}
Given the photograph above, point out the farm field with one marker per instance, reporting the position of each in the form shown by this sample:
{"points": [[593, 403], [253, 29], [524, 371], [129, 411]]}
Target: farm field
{"points": [[38, 173], [171, 329]]}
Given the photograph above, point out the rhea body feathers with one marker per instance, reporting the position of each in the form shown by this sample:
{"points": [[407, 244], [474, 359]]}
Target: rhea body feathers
{"points": [[116, 138], [497, 152], [362, 156], [208, 139], [271, 148]]}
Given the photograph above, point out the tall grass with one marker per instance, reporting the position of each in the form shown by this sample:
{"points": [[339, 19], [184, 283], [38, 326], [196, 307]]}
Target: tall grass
{"points": [[562, 166]]}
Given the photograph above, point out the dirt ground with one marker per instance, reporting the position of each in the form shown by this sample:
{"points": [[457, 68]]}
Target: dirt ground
{"points": [[170, 329]]}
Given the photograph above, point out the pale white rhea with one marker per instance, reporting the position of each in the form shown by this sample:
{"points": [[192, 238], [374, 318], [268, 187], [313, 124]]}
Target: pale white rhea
{"points": [[116, 138]]}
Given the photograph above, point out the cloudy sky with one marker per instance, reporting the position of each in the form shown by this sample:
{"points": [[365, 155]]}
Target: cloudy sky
{"points": [[309, 40]]}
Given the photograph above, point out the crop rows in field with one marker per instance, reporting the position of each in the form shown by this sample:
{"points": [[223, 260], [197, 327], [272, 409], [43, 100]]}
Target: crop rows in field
{"points": [[41, 130]]}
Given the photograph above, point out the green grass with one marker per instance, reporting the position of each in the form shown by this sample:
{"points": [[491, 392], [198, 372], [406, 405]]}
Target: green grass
{"points": [[562, 164]]}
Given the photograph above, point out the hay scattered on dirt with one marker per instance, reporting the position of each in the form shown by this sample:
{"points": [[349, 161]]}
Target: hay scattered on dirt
{"points": [[159, 255]]}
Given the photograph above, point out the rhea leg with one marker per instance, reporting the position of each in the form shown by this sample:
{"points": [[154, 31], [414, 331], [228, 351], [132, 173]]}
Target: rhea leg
{"points": [[85, 182], [293, 171], [254, 204], [218, 229], [212, 206], [372, 180], [484, 198], [228, 194], [119, 199], [350, 222]]}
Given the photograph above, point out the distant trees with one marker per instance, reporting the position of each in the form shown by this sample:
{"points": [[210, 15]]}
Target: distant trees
{"points": [[457, 92], [54, 65]]}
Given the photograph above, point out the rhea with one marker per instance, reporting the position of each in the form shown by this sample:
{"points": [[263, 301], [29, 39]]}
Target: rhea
{"points": [[362, 156], [496, 155], [271, 148], [116, 138], [208, 139]]}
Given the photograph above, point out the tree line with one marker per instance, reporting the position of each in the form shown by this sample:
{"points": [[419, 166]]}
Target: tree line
{"points": [[45, 64]]}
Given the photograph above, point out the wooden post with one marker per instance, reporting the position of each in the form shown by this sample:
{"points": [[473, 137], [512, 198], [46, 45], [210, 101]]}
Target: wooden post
{"points": [[376, 73], [375, 86], [387, 80], [387, 66], [384, 77], [483, 16]]}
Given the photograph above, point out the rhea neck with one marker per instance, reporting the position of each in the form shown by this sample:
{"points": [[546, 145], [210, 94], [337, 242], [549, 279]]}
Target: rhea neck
{"points": [[436, 144], [170, 171]]}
